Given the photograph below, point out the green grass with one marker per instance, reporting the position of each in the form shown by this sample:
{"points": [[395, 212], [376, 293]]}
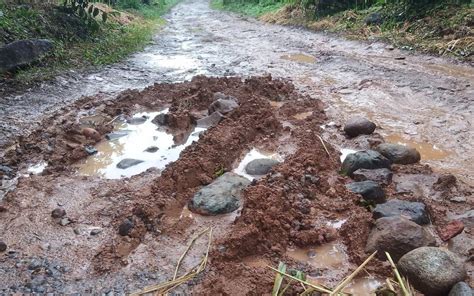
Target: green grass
{"points": [[251, 9], [76, 46]]}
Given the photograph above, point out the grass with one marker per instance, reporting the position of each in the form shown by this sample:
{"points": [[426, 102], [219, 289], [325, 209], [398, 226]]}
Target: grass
{"points": [[77, 46], [251, 9]]}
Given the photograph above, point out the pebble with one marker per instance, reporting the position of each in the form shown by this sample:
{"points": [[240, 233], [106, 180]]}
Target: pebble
{"points": [[3, 246], [125, 227], [58, 213]]}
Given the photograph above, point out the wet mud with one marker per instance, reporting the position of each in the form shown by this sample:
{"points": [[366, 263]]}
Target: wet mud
{"points": [[126, 228], [121, 233]]}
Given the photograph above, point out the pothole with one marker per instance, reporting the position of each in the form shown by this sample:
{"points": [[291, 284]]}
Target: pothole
{"points": [[299, 57], [145, 143]]}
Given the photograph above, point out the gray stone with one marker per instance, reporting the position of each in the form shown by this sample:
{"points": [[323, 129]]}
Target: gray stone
{"points": [[397, 236], [210, 120], [95, 231], [463, 245], [58, 213], [261, 166], [116, 135], [137, 120], [461, 289], [22, 53], [466, 218], [152, 149], [415, 211], [399, 153], [375, 18], [6, 169], [222, 104], [370, 190], [220, 197], [91, 150], [125, 227], [65, 221], [382, 176], [367, 159], [359, 126], [3, 246], [432, 271], [128, 162], [161, 119]]}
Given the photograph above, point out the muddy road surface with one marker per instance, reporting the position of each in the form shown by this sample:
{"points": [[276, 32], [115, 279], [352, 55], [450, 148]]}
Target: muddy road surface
{"points": [[108, 176], [426, 102]]}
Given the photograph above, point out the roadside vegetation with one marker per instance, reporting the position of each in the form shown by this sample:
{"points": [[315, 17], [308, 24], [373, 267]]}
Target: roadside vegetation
{"points": [[104, 32], [441, 27]]}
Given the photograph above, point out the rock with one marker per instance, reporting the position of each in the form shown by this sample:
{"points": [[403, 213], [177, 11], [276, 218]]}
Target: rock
{"points": [[370, 190], [397, 236], [161, 119], [210, 120], [65, 221], [6, 169], [383, 176], [95, 231], [399, 153], [91, 150], [450, 230], [367, 159], [359, 126], [461, 289], [222, 104], [125, 227], [90, 133], [128, 162], [375, 18], [220, 197], [137, 120], [22, 53], [116, 135], [432, 271], [3, 246], [458, 199], [58, 213], [152, 149], [415, 211], [466, 218], [260, 166], [463, 245]]}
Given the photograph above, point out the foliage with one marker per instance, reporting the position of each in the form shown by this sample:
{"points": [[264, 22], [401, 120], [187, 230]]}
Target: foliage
{"points": [[87, 12]]}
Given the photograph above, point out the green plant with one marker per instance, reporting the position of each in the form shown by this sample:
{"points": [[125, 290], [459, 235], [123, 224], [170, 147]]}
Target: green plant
{"points": [[86, 11]]}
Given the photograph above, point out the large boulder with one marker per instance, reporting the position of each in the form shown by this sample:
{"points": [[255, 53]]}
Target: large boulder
{"points": [[415, 211], [359, 126], [382, 176], [370, 191], [220, 197], [367, 159], [22, 53], [399, 153], [461, 289], [261, 166], [432, 271], [222, 104], [397, 236]]}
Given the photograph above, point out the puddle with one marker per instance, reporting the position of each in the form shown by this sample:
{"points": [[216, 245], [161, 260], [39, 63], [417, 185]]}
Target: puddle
{"points": [[132, 145], [302, 115], [336, 224], [345, 152], [37, 168], [363, 286], [252, 155], [330, 255], [427, 151], [181, 62], [299, 57]]}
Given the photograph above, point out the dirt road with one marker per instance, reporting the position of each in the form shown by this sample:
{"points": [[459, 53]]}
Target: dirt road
{"points": [[74, 222], [422, 100]]}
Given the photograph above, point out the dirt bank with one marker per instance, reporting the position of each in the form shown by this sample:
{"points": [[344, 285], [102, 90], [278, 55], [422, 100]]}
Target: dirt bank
{"points": [[122, 235]]}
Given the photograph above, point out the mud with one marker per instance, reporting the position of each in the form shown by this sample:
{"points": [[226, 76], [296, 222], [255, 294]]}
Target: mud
{"points": [[301, 204]]}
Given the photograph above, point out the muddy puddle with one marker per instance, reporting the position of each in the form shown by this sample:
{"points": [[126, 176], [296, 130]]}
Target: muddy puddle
{"points": [[150, 145], [330, 259], [427, 151], [299, 57]]}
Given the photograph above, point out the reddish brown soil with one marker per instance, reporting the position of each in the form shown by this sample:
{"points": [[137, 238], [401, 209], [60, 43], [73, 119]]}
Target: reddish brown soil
{"points": [[289, 207]]}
